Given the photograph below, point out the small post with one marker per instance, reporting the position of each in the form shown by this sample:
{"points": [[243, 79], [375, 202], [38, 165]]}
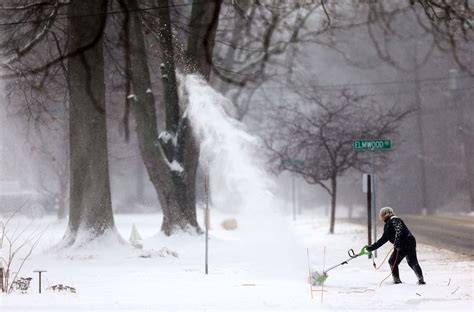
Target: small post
{"points": [[1, 279], [310, 277], [206, 218], [39, 273], [374, 206], [324, 268], [369, 210]]}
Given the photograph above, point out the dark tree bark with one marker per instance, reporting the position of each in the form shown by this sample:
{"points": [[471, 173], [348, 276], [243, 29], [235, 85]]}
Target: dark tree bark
{"points": [[142, 104], [172, 157], [186, 150], [90, 201]]}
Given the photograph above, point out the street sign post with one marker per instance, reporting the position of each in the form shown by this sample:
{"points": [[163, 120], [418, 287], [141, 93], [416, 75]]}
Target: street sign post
{"points": [[292, 162], [372, 145], [366, 176], [369, 213]]}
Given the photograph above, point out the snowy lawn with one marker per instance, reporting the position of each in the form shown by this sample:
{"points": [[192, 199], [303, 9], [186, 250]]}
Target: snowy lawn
{"points": [[250, 269]]}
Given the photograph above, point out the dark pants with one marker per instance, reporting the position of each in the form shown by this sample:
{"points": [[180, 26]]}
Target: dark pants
{"points": [[408, 251]]}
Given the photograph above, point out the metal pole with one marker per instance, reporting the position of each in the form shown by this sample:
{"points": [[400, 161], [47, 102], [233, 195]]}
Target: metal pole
{"points": [[39, 277], [374, 206], [293, 187], [369, 212], [206, 218], [1, 278]]}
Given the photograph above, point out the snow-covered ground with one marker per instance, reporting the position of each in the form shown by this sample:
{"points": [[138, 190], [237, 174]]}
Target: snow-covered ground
{"points": [[250, 269], [262, 265]]}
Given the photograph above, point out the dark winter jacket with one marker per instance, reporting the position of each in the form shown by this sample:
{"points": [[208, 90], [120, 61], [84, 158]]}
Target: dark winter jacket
{"points": [[397, 233]]}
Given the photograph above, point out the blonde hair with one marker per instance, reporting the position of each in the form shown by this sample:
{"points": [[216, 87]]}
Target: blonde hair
{"points": [[385, 213]]}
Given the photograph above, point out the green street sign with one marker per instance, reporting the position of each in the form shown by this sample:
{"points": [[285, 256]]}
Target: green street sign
{"points": [[292, 162], [380, 144]]}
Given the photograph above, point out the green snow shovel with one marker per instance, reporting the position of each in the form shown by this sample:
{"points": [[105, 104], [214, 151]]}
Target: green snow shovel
{"points": [[319, 278]]}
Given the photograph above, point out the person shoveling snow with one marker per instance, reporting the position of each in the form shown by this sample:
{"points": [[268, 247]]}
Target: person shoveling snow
{"points": [[403, 241]]}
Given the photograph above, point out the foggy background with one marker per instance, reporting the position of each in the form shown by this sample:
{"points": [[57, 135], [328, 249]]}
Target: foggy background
{"points": [[431, 161]]}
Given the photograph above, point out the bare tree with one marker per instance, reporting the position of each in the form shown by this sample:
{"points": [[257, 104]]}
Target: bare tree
{"points": [[255, 38], [172, 164], [71, 31], [16, 247], [90, 204], [443, 25], [319, 131], [171, 156], [259, 42]]}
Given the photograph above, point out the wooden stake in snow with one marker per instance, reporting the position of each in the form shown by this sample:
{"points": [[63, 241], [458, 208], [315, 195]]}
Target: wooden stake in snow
{"points": [[310, 277], [324, 264], [135, 238]]}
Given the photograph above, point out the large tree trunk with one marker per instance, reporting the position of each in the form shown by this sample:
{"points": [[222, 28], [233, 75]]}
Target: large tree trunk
{"points": [[177, 147], [163, 155], [186, 151], [90, 201], [333, 204], [203, 26]]}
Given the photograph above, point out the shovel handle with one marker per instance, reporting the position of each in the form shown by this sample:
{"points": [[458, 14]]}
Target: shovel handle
{"points": [[362, 252]]}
